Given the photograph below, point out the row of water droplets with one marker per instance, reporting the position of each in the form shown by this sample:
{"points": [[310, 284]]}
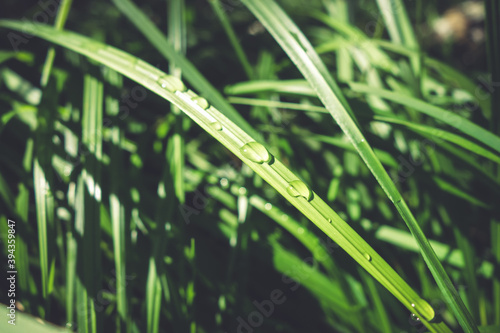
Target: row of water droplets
{"points": [[167, 82], [257, 153], [203, 107]]}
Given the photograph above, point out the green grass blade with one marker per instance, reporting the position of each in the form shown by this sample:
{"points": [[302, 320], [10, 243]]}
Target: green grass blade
{"points": [[71, 266], [300, 87], [448, 117], [62, 15], [305, 58], [88, 219], [240, 53], [153, 298], [43, 183], [438, 134], [176, 158], [40, 185], [381, 313], [400, 29], [276, 104], [397, 22], [117, 207], [254, 154]]}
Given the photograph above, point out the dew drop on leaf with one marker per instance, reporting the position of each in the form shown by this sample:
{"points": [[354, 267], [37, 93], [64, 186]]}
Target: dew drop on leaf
{"points": [[216, 126], [202, 102], [256, 152], [171, 83], [298, 188]]}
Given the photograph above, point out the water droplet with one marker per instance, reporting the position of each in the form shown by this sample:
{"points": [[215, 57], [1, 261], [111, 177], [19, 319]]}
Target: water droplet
{"points": [[423, 309], [330, 221], [414, 317], [216, 126], [268, 206], [256, 152], [242, 191], [171, 83], [300, 230], [284, 217], [224, 182], [367, 257], [203, 103], [298, 188]]}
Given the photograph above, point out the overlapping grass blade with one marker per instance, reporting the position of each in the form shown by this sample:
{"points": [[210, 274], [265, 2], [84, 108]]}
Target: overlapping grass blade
{"points": [[438, 134], [254, 154], [448, 117], [298, 48]]}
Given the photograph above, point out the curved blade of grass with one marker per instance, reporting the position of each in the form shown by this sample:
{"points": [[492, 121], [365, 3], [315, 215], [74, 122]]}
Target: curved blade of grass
{"points": [[486, 176], [354, 38], [438, 134], [444, 135], [404, 240], [452, 77], [254, 154], [448, 117], [192, 75], [453, 190], [298, 48]]}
